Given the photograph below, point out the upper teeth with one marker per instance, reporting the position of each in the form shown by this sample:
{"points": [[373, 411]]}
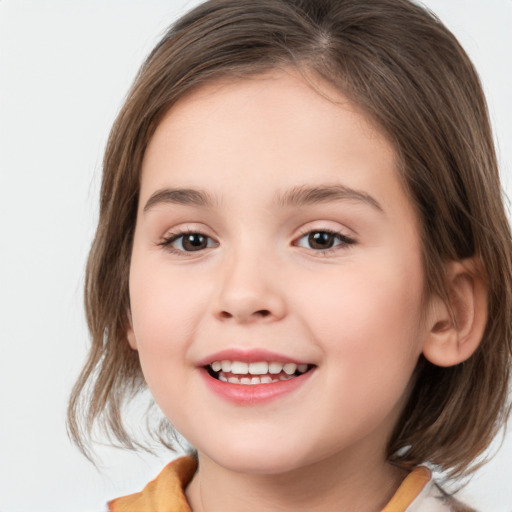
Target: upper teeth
{"points": [[257, 368]]}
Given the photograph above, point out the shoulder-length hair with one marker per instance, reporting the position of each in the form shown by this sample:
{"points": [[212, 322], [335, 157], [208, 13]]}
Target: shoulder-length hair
{"points": [[408, 73]]}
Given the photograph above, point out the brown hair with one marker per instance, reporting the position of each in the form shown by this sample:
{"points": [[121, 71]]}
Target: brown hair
{"points": [[397, 62]]}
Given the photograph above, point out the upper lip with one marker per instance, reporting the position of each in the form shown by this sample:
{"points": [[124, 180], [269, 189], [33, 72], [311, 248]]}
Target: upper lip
{"points": [[249, 356]]}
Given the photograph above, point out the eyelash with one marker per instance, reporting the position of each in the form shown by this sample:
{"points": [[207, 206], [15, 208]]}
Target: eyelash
{"points": [[344, 241], [173, 237]]}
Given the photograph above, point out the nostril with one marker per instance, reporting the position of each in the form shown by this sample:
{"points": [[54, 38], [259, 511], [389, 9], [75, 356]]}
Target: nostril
{"points": [[261, 313]]}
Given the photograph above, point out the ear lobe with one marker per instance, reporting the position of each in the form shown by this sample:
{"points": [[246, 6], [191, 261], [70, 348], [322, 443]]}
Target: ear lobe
{"points": [[130, 334], [456, 328]]}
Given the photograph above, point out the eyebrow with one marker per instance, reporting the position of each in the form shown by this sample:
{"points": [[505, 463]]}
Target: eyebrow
{"points": [[183, 196], [296, 196], [304, 195]]}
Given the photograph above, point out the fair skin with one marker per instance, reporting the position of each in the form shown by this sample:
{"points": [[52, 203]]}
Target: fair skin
{"points": [[301, 247]]}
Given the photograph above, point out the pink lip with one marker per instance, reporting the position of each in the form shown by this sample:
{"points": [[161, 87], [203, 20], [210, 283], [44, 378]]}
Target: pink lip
{"points": [[256, 394], [248, 356]]}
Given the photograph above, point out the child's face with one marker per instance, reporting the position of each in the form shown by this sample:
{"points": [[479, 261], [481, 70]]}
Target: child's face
{"points": [[301, 247]]}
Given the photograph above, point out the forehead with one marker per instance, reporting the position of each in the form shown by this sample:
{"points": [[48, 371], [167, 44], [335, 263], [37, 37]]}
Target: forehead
{"points": [[272, 131], [271, 100]]}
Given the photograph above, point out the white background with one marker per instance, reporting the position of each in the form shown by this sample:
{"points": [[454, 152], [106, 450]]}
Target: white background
{"points": [[65, 67]]}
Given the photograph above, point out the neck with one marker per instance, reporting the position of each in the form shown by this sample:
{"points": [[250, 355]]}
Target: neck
{"points": [[337, 483]]}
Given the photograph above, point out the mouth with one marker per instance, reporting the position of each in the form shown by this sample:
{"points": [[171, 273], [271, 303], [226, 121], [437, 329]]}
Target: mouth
{"points": [[255, 373]]}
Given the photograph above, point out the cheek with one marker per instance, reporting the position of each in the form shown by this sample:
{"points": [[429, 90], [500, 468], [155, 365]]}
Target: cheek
{"points": [[368, 316], [166, 308], [165, 313], [367, 325]]}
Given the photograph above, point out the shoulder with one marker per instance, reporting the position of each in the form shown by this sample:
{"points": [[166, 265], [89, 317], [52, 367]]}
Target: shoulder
{"points": [[420, 493], [433, 498], [166, 493]]}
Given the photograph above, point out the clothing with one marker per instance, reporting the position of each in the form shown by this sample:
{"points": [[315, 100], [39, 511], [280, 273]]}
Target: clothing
{"points": [[166, 493]]}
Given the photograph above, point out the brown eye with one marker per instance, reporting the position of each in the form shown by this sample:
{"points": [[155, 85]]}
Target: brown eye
{"points": [[188, 242], [323, 240], [194, 242]]}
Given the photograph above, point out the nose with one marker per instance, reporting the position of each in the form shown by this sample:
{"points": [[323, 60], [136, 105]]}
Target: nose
{"points": [[250, 291]]}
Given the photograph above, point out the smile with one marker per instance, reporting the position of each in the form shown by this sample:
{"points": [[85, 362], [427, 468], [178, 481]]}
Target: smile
{"points": [[254, 373]]}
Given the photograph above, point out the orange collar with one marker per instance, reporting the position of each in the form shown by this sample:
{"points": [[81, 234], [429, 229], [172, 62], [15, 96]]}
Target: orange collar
{"points": [[163, 494], [166, 493], [408, 491]]}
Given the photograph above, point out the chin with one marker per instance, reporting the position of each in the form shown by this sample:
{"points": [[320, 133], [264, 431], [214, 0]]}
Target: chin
{"points": [[258, 467], [256, 459]]}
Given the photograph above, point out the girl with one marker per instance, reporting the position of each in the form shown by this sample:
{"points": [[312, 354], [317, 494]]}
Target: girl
{"points": [[303, 253]]}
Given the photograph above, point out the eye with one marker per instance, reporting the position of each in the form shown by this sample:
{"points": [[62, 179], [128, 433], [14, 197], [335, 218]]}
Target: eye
{"points": [[323, 240], [188, 242]]}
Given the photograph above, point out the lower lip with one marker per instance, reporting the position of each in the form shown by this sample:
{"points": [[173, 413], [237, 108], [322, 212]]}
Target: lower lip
{"points": [[254, 394]]}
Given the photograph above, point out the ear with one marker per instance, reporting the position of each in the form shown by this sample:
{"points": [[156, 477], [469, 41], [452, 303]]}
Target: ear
{"points": [[130, 335], [456, 328]]}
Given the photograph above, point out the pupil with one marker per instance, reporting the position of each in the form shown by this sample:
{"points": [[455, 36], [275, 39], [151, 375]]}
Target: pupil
{"points": [[194, 242], [321, 240]]}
